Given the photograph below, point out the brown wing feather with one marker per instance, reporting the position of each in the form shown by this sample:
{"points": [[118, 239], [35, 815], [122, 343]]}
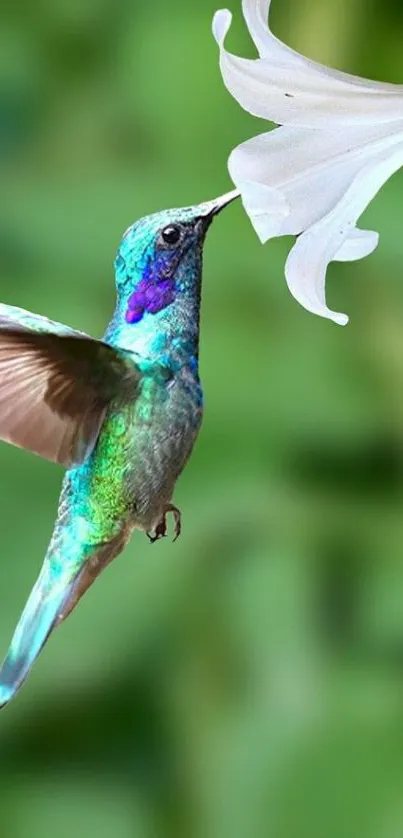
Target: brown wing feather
{"points": [[54, 391]]}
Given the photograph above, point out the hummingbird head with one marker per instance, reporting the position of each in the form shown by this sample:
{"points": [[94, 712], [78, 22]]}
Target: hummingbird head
{"points": [[159, 261]]}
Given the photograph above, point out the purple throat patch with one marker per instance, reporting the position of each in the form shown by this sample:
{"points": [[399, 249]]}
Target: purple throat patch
{"points": [[150, 296]]}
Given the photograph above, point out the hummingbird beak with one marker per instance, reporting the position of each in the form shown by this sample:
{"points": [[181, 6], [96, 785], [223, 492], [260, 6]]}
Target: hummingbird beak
{"points": [[210, 209], [223, 201]]}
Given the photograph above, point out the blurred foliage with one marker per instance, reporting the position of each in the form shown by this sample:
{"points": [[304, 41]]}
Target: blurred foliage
{"points": [[247, 681]]}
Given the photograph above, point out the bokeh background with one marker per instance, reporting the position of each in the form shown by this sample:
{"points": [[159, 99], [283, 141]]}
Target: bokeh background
{"points": [[247, 681]]}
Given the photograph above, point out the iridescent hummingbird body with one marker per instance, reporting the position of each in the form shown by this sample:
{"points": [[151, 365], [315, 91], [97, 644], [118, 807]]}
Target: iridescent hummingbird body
{"points": [[123, 414]]}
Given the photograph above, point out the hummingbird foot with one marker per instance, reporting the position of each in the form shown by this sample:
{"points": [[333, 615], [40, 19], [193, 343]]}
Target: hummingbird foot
{"points": [[160, 530]]}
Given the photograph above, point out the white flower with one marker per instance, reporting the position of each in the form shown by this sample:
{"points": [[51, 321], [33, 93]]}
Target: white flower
{"points": [[341, 139]]}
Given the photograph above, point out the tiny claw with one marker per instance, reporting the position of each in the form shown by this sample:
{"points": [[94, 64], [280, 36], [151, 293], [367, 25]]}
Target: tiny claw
{"points": [[177, 520], [159, 532], [161, 528]]}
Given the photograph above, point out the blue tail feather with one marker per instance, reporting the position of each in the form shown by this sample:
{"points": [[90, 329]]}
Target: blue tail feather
{"points": [[36, 623], [54, 595]]}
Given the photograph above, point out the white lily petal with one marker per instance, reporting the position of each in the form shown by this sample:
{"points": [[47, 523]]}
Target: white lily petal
{"points": [[266, 207], [312, 169], [305, 273], [284, 87], [342, 139], [308, 260], [359, 244], [256, 14]]}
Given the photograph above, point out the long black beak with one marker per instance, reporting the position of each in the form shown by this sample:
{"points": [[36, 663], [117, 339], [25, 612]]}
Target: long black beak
{"points": [[212, 208]]}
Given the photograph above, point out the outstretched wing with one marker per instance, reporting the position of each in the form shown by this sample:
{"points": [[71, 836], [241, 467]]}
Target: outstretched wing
{"points": [[12, 317], [56, 384]]}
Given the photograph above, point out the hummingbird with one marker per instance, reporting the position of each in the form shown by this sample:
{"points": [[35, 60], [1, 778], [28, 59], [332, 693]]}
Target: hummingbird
{"points": [[121, 414]]}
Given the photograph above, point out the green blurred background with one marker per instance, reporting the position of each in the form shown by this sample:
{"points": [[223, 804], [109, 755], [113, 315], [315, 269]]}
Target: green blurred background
{"points": [[247, 681]]}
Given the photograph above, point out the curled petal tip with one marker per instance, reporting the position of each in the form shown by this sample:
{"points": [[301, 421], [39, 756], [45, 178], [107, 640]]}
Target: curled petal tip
{"points": [[221, 23], [358, 245], [341, 319], [305, 274]]}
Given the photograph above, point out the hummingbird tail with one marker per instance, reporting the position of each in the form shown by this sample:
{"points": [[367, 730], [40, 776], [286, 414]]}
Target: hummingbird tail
{"points": [[51, 601], [37, 621]]}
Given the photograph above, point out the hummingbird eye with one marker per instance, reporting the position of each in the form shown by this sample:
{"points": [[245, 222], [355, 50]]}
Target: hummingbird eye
{"points": [[171, 234]]}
